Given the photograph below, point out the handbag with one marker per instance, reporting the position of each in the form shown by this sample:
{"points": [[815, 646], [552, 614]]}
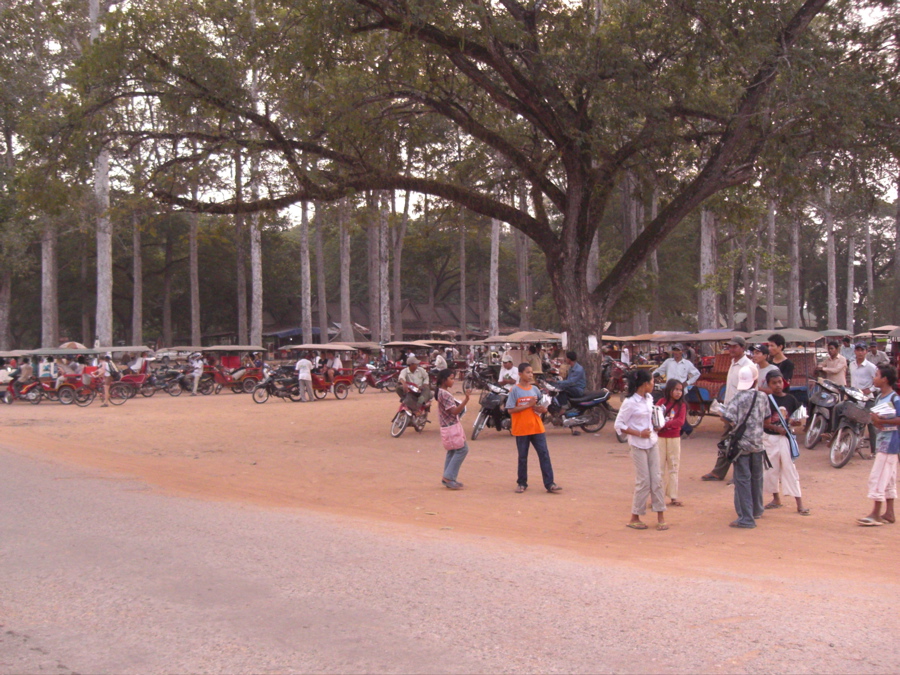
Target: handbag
{"points": [[728, 445], [453, 437]]}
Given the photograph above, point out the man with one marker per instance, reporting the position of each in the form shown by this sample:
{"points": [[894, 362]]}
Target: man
{"points": [[26, 374], [678, 368], [759, 354], [438, 362], [197, 370], [413, 375], [835, 365], [525, 410], [752, 405], [777, 357], [104, 372], [575, 382], [534, 360], [333, 365], [304, 378], [509, 374], [847, 349], [739, 360], [862, 371], [626, 355], [876, 356], [691, 354], [781, 476]]}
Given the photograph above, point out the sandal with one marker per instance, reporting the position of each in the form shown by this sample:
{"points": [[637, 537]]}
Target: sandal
{"points": [[662, 527], [773, 505], [675, 502], [869, 522], [803, 512], [521, 488], [637, 525], [554, 488]]}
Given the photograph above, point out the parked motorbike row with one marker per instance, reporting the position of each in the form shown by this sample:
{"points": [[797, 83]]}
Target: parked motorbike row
{"points": [[841, 414]]}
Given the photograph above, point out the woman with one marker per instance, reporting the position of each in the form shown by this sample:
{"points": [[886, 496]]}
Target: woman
{"points": [[635, 420], [670, 438], [452, 433]]}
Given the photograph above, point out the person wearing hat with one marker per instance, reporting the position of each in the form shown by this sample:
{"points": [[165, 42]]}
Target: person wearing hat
{"points": [[678, 368], [751, 404], [509, 374], [847, 350], [739, 360], [417, 377], [876, 356]]}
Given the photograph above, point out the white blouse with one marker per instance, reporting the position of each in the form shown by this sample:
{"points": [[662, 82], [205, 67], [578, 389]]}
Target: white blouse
{"points": [[637, 413]]}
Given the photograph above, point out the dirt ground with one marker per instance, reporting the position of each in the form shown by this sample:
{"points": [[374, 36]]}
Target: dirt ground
{"points": [[338, 457]]}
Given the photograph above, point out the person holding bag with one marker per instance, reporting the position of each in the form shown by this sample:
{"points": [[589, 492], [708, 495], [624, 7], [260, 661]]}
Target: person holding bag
{"points": [[781, 448], [452, 434], [670, 438]]}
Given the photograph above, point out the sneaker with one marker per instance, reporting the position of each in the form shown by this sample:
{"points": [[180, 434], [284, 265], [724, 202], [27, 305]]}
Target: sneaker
{"points": [[554, 488]]}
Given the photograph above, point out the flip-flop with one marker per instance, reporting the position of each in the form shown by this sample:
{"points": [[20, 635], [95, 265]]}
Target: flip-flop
{"points": [[869, 522], [804, 512], [637, 526], [662, 526], [521, 488], [887, 522], [773, 506], [676, 503]]}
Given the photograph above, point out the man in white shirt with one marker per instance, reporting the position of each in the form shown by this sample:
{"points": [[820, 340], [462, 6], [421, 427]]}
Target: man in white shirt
{"points": [[332, 365], [304, 377], [438, 361], [738, 360], [847, 350], [413, 375], [678, 368], [862, 371], [509, 374], [197, 370], [626, 356]]}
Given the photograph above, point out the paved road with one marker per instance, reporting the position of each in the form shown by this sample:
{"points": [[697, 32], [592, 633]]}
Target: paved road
{"points": [[102, 575]]}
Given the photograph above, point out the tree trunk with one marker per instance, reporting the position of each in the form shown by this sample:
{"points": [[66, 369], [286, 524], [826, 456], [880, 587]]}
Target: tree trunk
{"points": [[729, 288], [593, 264], [104, 224], [794, 318], [86, 337], [49, 286], [346, 319], [137, 273], [896, 305], [630, 232], [851, 280], [482, 317], [194, 273], [240, 247], [256, 279], [6, 280], [523, 243], [494, 283], [655, 314], [707, 311], [463, 312], [831, 262], [770, 271], [750, 323], [429, 323], [396, 280], [322, 289], [167, 290], [305, 279], [870, 278], [372, 238], [384, 266]]}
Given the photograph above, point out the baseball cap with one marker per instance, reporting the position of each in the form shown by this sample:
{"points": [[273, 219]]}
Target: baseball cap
{"points": [[859, 345], [677, 347], [746, 378], [873, 343], [762, 348], [507, 358], [737, 340], [412, 361]]}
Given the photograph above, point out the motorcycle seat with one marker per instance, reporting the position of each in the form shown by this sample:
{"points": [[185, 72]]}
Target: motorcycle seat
{"points": [[590, 396]]}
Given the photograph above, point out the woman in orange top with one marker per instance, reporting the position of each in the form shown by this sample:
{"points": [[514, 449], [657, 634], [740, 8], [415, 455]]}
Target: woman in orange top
{"points": [[525, 409]]}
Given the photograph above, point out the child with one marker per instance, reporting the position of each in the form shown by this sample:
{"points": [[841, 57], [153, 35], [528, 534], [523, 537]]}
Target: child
{"points": [[525, 410], [883, 477], [670, 438], [778, 447]]}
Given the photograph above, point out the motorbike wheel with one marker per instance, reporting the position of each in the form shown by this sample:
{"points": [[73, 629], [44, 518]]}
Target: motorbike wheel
{"points": [[119, 393], [391, 386], [249, 385], [480, 421], [66, 395], [320, 393], [468, 385], [84, 397], [34, 396], [260, 395], [207, 386], [341, 390], [398, 426], [295, 395], [814, 433], [361, 383], [174, 389], [597, 422], [8, 398], [694, 417], [843, 446]]}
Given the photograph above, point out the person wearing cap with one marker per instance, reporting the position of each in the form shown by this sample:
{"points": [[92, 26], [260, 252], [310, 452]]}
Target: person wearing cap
{"points": [[847, 350], [753, 405], [438, 362], [739, 360], [417, 377], [678, 368], [759, 354], [862, 371], [509, 374], [835, 365], [197, 371], [876, 356]]}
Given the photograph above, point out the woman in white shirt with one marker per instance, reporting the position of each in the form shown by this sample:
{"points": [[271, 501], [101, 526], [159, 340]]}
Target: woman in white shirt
{"points": [[635, 420]]}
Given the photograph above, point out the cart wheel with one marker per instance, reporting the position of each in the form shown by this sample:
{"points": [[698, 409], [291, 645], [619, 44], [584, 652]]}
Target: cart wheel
{"points": [[260, 395], [249, 384], [207, 386], [398, 426], [320, 393], [119, 393], [85, 396], [694, 417], [67, 395], [237, 389], [341, 390], [148, 390]]}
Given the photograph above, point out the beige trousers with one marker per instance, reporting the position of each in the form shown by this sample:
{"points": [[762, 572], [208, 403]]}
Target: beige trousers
{"points": [[647, 480], [669, 459], [783, 469], [883, 477]]}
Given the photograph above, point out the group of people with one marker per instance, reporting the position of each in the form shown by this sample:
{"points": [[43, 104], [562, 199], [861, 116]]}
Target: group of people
{"points": [[24, 372]]}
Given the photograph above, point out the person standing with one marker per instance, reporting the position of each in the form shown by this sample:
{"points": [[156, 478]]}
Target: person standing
{"points": [[635, 420], [759, 355], [883, 476], [876, 356], [835, 365], [739, 360], [678, 368], [197, 365], [777, 357], [781, 477], [534, 360], [847, 350], [626, 355], [524, 407], [670, 438], [452, 434], [862, 371], [104, 372], [750, 404], [304, 378]]}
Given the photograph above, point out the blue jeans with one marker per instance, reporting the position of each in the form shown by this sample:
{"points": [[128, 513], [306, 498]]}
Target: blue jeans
{"points": [[453, 461], [748, 488], [567, 391], [539, 441]]}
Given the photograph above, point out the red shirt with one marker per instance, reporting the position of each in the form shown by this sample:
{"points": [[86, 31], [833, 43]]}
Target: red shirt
{"points": [[676, 412]]}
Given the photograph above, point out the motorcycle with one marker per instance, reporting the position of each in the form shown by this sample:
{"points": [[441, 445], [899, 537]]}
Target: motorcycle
{"points": [[163, 379], [493, 410], [31, 392], [589, 411], [277, 383], [384, 379], [404, 416], [822, 420], [851, 418], [476, 376]]}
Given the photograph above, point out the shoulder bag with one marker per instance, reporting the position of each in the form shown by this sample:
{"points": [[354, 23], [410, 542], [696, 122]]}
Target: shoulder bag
{"points": [[729, 443]]}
